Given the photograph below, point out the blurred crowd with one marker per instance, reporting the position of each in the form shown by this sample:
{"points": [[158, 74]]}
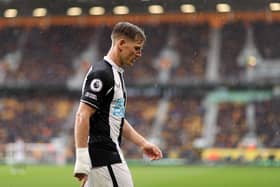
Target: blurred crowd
{"points": [[174, 53], [54, 51], [34, 119], [268, 122], [183, 125], [231, 124], [58, 52]]}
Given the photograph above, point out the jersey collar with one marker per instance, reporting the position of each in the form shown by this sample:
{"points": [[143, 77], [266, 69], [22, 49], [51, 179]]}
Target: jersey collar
{"points": [[110, 61]]}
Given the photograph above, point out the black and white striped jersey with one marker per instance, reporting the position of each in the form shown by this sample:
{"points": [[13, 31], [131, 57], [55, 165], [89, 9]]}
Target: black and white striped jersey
{"points": [[104, 89]]}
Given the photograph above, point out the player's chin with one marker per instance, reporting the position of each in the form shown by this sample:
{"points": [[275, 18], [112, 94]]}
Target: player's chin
{"points": [[130, 63], [133, 60]]}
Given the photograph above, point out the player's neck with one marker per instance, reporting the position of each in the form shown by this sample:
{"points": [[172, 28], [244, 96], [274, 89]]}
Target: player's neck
{"points": [[114, 57]]}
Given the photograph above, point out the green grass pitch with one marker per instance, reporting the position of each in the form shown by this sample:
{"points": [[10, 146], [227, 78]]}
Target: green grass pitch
{"points": [[151, 176]]}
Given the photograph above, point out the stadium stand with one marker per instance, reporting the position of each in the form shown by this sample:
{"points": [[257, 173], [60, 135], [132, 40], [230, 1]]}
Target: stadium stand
{"points": [[175, 53], [233, 39], [36, 119]]}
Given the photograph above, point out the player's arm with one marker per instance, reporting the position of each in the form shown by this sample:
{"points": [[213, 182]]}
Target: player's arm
{"points": [[81, 132], [151, 150]]}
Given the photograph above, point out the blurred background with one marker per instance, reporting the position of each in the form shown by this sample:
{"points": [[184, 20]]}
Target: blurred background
{"points": [[206, 90]]}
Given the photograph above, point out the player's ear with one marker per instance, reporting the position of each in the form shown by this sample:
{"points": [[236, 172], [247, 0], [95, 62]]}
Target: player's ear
{"points": [[121, 43]]}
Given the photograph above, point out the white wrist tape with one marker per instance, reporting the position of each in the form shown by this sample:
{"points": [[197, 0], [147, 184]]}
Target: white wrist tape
{"points": [[83, 163]]}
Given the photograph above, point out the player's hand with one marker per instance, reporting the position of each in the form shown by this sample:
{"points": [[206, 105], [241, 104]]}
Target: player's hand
{"points": [[81, 177], [152, 151]]}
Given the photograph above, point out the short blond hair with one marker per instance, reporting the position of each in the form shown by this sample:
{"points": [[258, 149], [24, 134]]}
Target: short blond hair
{"points": [[128, 30]]}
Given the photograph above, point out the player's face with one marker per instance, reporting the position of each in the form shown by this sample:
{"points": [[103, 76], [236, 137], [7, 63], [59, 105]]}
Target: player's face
{"points": [[132, 50]]}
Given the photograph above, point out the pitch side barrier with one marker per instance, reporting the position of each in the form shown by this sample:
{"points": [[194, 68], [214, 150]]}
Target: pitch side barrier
{"points": [[249, 155]]}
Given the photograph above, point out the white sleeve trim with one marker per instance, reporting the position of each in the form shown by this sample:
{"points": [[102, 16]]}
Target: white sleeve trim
{"points": [[89, 103]]}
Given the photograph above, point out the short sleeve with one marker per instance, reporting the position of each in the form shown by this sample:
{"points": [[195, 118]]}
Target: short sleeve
{"points": [[95, 88]]}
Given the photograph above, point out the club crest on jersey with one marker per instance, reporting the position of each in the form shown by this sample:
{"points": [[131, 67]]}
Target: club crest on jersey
{"points": [[96, 85]]}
